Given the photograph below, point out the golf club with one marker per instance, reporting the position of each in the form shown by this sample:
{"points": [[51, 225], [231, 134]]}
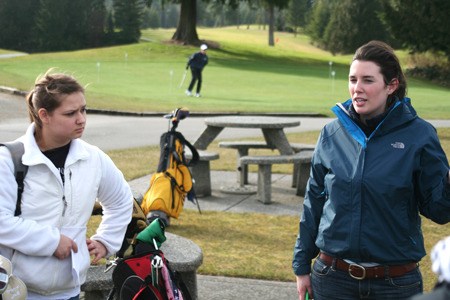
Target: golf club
{"points": [[182, 79]]}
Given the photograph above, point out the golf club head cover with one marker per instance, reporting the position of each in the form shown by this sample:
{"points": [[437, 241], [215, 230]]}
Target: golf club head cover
{"points": [[155, 230]]}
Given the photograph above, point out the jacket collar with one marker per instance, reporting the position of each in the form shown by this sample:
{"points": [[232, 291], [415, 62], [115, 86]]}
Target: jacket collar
{"points": [[402, 112], [34, 156]]}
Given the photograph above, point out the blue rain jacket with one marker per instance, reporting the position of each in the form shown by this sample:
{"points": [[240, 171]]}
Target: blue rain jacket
{"points": [[365, 194]]}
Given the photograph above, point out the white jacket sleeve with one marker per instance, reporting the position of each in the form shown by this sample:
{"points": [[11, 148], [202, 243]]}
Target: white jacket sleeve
{"points": [[116, 198]]}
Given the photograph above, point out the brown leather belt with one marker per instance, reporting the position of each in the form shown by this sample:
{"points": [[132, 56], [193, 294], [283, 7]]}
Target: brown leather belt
{"points": [[359, 272]]}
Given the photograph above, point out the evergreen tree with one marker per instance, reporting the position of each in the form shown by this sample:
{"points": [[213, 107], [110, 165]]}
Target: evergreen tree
{"points": [[17, 24], [352, 24], [128, 18], [320, 16], [62, 25], [341, 26], [418, 25], [51, 29], [296, 14], [97, 23]]}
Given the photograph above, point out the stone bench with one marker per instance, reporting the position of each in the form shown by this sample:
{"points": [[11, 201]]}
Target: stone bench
{"points": [[184, 257], [301, 159], [243, 147], [201, 172], [297, 147]]}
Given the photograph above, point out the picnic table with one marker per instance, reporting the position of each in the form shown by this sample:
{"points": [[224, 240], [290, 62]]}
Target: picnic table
{"points": [[272, 129]]}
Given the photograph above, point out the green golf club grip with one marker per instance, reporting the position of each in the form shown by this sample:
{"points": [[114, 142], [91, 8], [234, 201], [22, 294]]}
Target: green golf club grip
{"points": [[306, 296]]}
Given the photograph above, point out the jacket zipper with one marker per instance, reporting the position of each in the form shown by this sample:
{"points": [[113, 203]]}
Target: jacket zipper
{"points": [[64, 194], [65, 205]]}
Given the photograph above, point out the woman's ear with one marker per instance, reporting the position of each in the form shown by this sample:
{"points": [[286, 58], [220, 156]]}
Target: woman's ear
{"points": [[43, 115], [392, 86]]}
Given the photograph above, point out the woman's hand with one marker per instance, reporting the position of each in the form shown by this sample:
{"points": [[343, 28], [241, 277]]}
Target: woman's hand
{"points": [[303, 285], [65, 247], [97, 249]]}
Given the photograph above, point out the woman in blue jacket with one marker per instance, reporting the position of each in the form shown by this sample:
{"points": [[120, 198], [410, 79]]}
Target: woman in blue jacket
{"points": [[375, 169]]}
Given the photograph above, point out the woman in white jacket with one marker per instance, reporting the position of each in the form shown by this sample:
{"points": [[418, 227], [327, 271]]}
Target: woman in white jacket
{"points": [[47, 243]]}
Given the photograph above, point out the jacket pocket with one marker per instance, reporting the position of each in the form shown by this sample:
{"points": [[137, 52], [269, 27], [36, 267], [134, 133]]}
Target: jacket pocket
{"points": [[47, 275]]}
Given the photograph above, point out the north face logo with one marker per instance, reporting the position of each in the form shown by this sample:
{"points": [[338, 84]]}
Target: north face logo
{"points": [[398, 145]]}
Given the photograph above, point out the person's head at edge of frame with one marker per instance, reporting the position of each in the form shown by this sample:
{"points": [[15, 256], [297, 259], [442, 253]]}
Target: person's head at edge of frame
{"points": [[57, 107], [376, 79], [203, 48]]}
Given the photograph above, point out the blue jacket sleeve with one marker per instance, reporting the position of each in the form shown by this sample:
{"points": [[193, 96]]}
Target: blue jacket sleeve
{"points": [[305, 249], [432, 182]]}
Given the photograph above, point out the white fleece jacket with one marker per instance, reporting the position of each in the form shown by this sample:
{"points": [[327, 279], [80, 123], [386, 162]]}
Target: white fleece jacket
{"points": [[50, 208]]}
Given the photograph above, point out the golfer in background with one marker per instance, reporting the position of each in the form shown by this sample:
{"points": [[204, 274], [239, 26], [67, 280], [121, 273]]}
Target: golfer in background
{"points": [[197, 62]]}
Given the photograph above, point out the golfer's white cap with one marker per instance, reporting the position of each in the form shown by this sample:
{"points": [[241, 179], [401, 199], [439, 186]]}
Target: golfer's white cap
{"points": [[16, 289], [203, 47]]}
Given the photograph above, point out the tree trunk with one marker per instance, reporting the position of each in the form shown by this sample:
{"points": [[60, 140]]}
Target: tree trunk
{"points": [[271, 24], [163, 15], [187, 25]]}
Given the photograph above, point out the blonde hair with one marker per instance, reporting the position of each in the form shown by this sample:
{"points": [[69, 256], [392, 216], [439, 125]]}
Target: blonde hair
{"points": [[47, 93]]}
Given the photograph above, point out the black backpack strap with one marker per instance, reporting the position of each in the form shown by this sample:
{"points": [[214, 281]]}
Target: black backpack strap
{"points": [[20, 170]]}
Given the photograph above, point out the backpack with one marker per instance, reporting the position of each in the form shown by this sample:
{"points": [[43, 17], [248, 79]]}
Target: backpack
{"points": [[172, 182], [146, 274], [20, 170]]}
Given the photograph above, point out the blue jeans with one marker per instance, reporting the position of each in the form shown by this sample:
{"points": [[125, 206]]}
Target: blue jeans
{"points": [[329, 283]]}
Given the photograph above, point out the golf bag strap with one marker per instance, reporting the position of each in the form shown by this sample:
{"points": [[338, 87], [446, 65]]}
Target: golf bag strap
{"points": [[195, 155], [20, 170]]}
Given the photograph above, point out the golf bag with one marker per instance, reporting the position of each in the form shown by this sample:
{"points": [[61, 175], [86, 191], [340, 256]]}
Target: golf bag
{"points": [[172, 182], [146, 275]]}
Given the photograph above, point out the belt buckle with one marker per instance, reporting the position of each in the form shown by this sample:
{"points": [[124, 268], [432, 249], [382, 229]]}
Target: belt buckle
{"points": [[356, 266]]}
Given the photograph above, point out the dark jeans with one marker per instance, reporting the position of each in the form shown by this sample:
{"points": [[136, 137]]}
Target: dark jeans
{"points": [[196, 75], [329, 283]]}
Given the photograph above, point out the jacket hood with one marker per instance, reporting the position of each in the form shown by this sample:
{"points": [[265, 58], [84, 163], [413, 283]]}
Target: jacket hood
{"points": [[401, 113]]}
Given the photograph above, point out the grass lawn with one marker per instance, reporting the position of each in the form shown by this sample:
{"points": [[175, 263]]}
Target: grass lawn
{"points": [[244, 75]]}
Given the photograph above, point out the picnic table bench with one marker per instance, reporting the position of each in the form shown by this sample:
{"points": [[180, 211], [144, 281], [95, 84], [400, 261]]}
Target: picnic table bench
{"points": [[264, 190], [201, 172], [243, 148]]}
